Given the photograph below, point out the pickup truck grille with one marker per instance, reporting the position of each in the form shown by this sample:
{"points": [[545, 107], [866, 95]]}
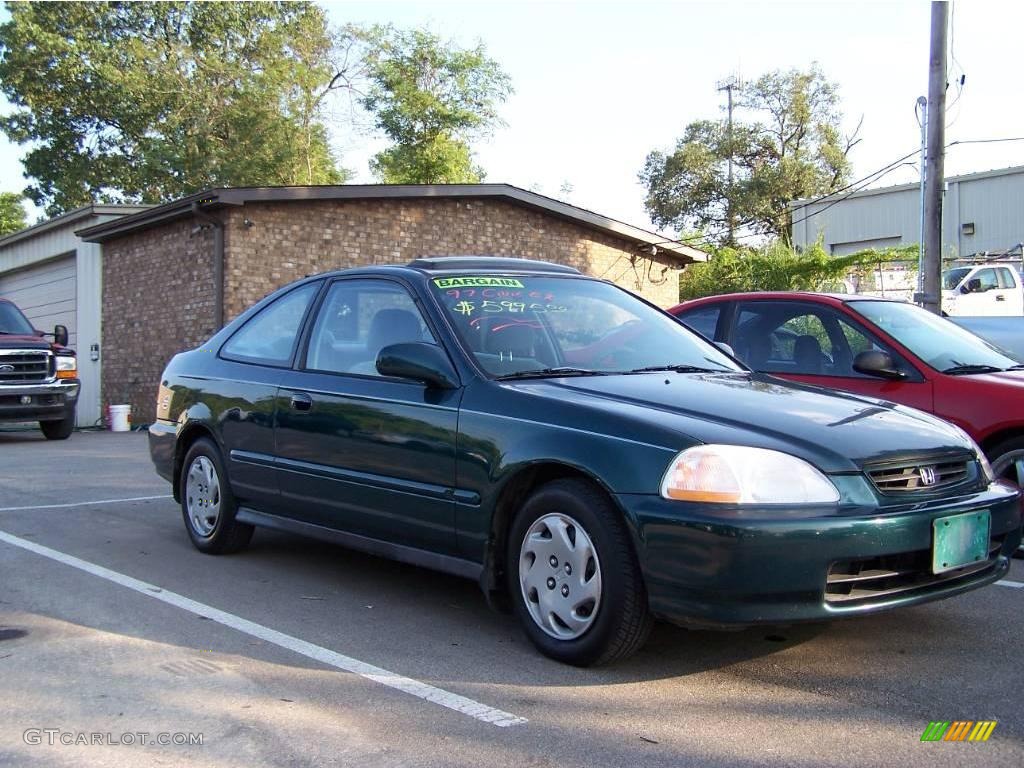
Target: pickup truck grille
{"points": [[921, 477], [25, 366]]}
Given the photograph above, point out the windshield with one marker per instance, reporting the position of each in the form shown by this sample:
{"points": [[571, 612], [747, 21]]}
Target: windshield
{"points": [[540, 326], [951, 278], [12, 321], [937, 341]]}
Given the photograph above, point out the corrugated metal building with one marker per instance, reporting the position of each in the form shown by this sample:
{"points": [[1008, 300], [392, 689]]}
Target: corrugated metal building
{"points": [[981, 213], [54, 277]]}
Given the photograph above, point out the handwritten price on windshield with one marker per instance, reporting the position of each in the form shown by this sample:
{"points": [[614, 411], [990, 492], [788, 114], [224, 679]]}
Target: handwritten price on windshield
{"points": [[468, 307]]}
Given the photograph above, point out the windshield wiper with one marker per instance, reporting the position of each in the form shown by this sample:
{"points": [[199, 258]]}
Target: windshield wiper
{"points": [[1015, 368], [542, 373], [677, 369], [972, 368]]}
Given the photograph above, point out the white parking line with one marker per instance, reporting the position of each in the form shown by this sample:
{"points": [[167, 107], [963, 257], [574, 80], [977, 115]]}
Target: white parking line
{"points": [[326, 656], [84, 503], [1008, 583]]}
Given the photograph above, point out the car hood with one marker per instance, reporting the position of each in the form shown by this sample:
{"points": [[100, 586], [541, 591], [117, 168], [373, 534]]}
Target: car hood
{"points": [[837, 432], [8, 341], [1013, 379]]}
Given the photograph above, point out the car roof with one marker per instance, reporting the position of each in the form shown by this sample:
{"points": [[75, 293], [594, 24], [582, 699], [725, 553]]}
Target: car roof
{"points": [[823, 298], [444, 265]]}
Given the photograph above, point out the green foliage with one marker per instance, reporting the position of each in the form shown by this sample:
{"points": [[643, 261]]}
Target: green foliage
{"points": [[12, 213], [148, 101], [786, 144], [431, 99], [779, 267]]}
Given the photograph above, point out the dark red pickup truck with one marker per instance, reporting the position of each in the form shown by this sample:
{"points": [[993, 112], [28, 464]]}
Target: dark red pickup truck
{"points": [[38, 379]]}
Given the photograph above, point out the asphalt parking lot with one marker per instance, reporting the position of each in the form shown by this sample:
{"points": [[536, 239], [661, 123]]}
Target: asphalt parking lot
{"points": [[298, 653]]}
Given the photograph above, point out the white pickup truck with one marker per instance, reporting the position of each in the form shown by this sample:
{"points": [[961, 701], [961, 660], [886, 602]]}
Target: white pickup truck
{"points": [[982, 290]]}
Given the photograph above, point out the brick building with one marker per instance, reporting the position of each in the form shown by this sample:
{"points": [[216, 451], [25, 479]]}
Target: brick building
{"points": [[174, 273]]}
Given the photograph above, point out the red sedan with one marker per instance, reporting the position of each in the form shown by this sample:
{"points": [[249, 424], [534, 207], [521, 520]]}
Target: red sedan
{"points": [[886, 349]]}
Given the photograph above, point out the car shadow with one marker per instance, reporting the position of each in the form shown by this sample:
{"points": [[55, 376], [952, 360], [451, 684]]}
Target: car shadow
{"points": [[429, 598]]}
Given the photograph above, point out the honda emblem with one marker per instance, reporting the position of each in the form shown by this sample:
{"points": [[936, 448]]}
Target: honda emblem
{"points": [[6, 368], [927, 475]]}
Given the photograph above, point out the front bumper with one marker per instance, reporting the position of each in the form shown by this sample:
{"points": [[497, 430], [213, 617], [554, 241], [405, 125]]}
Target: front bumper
{"points": [[45, 402], [703, 569], [163, 436]]}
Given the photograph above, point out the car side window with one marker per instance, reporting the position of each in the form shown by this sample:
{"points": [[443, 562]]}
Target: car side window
{"points": [[987, 278], [357, 319], [799, 339], [703, 320], [268, 338], [1006, 278]]}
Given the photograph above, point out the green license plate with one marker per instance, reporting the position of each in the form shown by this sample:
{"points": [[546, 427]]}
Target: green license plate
{"points": [[960, 540]]}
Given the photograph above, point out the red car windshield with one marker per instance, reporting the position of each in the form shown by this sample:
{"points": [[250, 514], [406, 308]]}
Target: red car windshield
{"points": [[13, 322], [526, 325], [942, 344]]}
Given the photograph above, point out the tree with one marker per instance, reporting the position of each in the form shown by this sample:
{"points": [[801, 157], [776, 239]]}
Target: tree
{"points": [[149, 101], [779, 267], [786, 143], [430, 99], [12, 213]]}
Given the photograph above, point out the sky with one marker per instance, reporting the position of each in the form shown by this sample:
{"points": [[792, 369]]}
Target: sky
{"points": [[598, 85]]}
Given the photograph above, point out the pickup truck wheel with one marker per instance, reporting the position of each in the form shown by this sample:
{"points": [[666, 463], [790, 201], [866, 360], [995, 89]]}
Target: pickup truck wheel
{"points": [[1008, 464], [575, 583], [207, 504], [58, 430]]}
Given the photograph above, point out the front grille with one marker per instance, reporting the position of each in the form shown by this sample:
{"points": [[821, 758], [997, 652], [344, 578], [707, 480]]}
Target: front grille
{"points": [[879, 578], [921, 477], [25, 366]]}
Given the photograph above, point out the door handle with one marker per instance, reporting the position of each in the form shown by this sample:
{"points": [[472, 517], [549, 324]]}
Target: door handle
{"points": [[1000, 298], [301, 401]]}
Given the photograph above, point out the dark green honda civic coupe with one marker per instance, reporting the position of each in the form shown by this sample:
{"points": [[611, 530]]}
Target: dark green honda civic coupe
{"points": [[591, 462]]}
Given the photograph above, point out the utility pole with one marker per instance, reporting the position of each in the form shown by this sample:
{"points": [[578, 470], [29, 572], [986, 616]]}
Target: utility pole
{"points": [[922, 104], [728, 85], [931, 298]]}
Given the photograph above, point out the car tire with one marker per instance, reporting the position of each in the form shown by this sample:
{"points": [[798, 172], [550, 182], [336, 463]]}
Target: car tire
{"points": [[207, 504], [1007, 460], [587, 605], [58, 430]]}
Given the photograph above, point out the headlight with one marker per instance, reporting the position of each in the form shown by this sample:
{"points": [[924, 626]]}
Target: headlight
{"points": [[986, 468], [67, 367], [736, 474]]}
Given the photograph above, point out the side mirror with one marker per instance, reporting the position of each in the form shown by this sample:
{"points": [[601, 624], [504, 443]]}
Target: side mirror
{"points": [[726, 348], [972, 286], [60, 335], [419, 361], [877, 363]]}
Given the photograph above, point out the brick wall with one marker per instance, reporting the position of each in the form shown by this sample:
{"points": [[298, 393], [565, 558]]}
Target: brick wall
{"points": [[286, 241], [158, 283], [157, 300]]}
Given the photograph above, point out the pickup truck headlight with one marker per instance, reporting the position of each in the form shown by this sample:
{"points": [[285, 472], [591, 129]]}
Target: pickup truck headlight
{"points": [[67, 367], [736, 474]]}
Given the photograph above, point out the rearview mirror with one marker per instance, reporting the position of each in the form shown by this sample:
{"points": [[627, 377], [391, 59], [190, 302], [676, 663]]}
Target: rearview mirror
{"points": [[874, 362], [419, 361], [60, 335]]}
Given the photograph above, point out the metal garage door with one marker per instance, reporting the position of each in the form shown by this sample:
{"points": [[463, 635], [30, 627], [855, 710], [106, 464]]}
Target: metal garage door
{"points": [[46, 294]]}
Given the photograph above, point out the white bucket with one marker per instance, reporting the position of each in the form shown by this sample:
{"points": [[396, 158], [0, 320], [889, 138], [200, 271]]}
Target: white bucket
{"points": [[120, 418]]}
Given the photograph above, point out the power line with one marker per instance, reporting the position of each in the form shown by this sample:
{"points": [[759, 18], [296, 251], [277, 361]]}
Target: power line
{"points": [[860, 184]]}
